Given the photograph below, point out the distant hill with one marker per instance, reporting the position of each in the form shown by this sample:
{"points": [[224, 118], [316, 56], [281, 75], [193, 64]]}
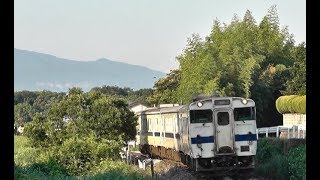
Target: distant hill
{"points": [[36, 71]]}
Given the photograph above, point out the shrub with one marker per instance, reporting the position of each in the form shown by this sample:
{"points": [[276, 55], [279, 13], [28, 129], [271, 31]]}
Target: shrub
{"points": [[267, 147], [36, 131], [39, 171], [270, 159], [291, 104], [297, 162], [24, 154], [107, 150], [292, 143], [76, 155], [275, 168], [50, 168]]}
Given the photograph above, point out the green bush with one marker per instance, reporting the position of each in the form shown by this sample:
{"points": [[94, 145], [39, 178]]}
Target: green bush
{"points": [[297, 162], [270, 159], [80, 155], [24, 154], [76, 155], [291, 104], [39, 171], [50, 168], [267, 147], [275, 168], [292, 143], [61, 162], [280, 159]]}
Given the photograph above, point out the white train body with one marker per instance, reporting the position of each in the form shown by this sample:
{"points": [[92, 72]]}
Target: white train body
{"points": [[210, 134]]}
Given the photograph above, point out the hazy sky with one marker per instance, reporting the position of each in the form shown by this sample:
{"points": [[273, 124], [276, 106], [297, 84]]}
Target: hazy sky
{"points": [[142, 32]]}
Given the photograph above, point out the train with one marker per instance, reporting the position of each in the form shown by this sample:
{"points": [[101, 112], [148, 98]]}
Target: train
{"points": [[208, 134]]}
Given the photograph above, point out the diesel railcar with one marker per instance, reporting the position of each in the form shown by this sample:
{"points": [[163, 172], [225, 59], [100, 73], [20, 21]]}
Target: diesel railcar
{"points": [[216, 133]]}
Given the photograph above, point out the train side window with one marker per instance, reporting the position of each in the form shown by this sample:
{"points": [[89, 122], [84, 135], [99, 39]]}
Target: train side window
{"points": [[223, 118]]}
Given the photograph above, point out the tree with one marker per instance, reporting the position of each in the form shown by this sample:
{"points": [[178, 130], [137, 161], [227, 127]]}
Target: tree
{"points": [[296, 85], [89, 113], [140, 95], [243, 59], [23, 112], [113, 90], [45, 99], [25, 96], [165, 88]]}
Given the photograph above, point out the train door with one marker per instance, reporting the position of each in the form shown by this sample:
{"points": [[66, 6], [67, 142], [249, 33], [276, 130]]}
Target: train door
{"points": [[224, 133]]}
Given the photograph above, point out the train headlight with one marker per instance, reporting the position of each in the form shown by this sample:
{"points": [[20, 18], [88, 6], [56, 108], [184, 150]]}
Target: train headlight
{"points": [[244, 101], [199, 104]]}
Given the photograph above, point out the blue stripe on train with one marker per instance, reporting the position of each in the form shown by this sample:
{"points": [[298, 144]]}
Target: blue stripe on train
{"points": [[245, 137], [197, 140], [210, 139]]}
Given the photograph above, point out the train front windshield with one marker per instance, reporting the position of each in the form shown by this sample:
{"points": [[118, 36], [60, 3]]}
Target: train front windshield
{"points": [[247, 113], [201, 116]]}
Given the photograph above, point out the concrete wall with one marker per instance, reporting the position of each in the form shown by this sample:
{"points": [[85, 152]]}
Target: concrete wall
{"points": [[294, 120]]}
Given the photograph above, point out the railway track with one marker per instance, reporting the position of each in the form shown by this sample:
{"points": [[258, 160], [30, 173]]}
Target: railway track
{"points": [[228, 174]]}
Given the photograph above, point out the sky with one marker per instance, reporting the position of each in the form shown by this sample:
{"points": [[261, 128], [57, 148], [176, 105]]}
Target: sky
{"points": [[141, 32]]}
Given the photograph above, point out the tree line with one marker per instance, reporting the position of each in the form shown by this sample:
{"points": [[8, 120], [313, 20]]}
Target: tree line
{"points": [[258, 61]]}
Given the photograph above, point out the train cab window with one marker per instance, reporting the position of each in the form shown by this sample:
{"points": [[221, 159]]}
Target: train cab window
{"points": [[201, 116], [223, 118], [241, 114]]}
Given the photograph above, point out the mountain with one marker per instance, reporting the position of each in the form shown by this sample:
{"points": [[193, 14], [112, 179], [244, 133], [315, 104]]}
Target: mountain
{"points": [[37, 71]]}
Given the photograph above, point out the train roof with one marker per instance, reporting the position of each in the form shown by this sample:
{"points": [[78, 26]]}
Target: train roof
{"points": [[218, 98], [164, 109]]}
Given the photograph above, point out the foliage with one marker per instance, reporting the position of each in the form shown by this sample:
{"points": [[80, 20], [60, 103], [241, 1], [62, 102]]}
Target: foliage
{"points": [[165, 88], [76, 155], [273, 162], [28, 103], [291, 104], [91, 113], [113, 90], [109, 168], [297, 84], [23, 112], [297, 162], [98, 125], [240, 59], [267, 147], [293, 143], [275, 168], [24, 153], [47, 163], [140, 95], [25, 96], [80, 155], [46, 99], [36, 131], [39, 171]]}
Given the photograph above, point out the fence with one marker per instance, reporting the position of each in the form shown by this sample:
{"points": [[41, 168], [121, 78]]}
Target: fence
{"points": [[292, 132]]}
